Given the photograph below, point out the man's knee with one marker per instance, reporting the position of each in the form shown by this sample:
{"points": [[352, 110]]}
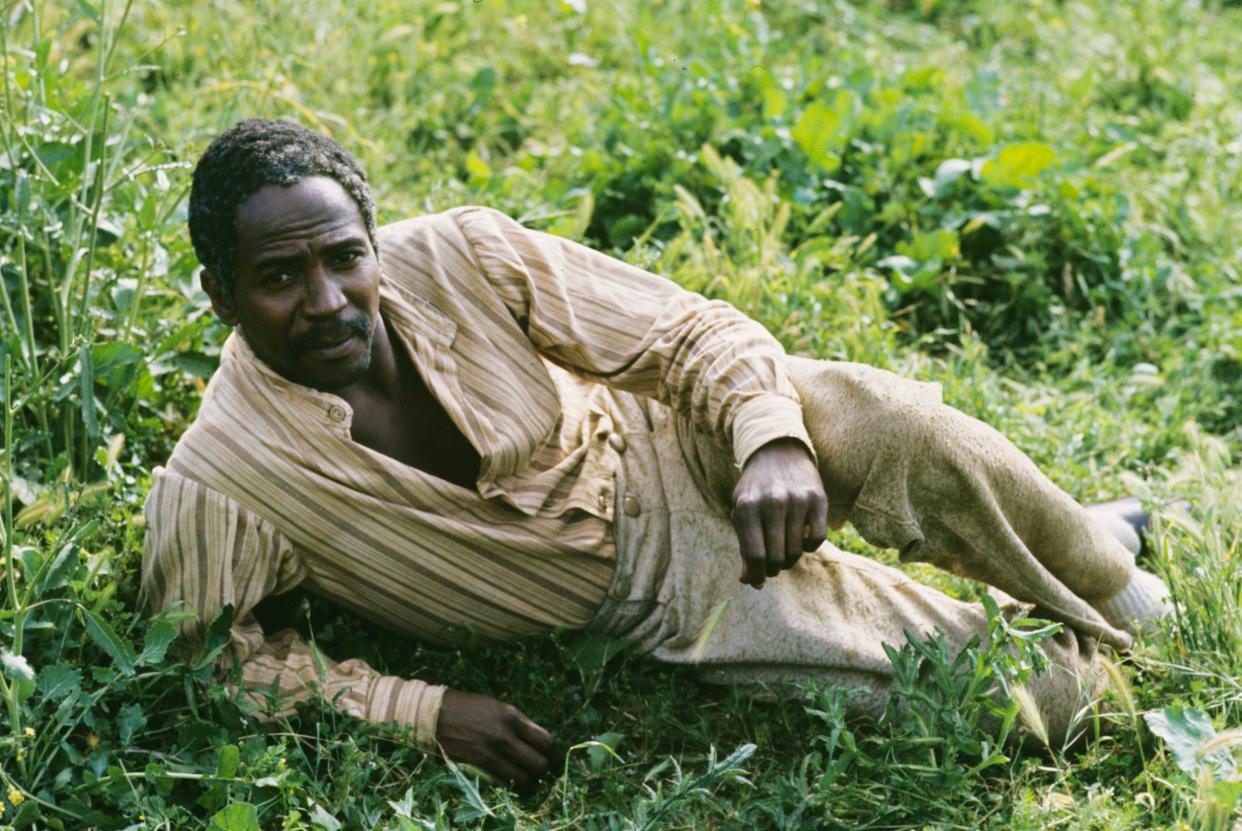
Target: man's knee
{"points": [[861, 418]]}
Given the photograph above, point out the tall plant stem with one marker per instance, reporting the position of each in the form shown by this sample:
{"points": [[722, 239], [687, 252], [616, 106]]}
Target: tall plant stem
{"points": [[11, 582], [10, 691]]}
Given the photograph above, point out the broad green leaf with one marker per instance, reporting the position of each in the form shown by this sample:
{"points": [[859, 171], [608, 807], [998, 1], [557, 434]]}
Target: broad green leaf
{"points": [[822, 130], [228, 762], [601, 747], [1184, 730], [62, 569], [130, 720], [119, 650], [1017, 165], [198, 364], [59, 681], [816, 135], [52, 153], [930, 247], [240, 816], [117, 365], [109, 356], [155, 644]]}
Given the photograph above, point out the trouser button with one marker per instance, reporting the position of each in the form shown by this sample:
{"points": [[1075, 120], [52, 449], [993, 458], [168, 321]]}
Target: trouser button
{"points": [[631, 506]]}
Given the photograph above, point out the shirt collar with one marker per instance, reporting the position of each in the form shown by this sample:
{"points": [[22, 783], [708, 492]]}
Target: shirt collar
{"points": [[404, 316]]}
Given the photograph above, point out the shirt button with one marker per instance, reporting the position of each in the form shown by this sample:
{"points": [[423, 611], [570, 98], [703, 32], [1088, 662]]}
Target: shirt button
{"points": [[336, 412], [631, 506], [617, 442]]}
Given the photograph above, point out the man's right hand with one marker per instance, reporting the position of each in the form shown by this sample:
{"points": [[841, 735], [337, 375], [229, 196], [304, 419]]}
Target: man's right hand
{"points": [[496, 738]]}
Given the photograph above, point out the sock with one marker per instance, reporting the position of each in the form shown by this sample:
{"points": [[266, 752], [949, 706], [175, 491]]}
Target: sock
{"points": [[1140, 605]]}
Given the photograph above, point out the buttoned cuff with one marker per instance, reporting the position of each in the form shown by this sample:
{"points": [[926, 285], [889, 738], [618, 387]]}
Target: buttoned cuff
{"points": [[764, 419], [411, 702]]}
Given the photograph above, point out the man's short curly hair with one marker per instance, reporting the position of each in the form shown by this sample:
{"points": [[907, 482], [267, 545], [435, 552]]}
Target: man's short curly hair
{"points": [[244, 158]]}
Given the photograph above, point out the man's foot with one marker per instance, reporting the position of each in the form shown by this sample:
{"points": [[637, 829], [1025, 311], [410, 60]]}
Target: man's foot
{"points": [[1126, 520], [1145, 599]]}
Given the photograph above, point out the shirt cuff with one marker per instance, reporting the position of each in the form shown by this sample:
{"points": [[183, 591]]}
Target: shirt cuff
{"points": [[764, 419], [411, 702]]}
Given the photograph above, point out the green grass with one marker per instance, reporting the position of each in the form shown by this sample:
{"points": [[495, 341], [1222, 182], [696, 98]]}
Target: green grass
{"points": [[1032, 203]]}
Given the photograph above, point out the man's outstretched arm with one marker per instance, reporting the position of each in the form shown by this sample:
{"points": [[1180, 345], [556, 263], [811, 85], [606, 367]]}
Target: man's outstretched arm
{"points": [[207, 551]]}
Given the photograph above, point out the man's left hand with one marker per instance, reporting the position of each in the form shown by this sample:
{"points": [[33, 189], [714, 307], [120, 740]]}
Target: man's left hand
{"points": [[779, 510]]}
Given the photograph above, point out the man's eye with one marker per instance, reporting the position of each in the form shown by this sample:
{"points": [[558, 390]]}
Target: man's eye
{"points": [[346, 257], [280, 278]]}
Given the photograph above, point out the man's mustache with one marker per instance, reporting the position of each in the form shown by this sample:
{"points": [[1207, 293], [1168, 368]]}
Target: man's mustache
{"points": [[326, 334]]}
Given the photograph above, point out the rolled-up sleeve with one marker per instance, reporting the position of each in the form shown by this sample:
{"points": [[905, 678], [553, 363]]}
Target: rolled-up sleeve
{"points": [[205, 550]]}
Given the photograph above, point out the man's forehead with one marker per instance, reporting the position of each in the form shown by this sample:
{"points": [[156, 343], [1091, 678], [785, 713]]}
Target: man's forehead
{"points": [[311, 194], [315, 204]]}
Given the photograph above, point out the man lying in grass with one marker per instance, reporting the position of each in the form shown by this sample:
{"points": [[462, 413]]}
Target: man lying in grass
{"points": [[454, 424]]}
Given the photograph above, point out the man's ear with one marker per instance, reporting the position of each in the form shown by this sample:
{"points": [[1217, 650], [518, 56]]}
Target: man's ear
{"points": [[222, 303]]}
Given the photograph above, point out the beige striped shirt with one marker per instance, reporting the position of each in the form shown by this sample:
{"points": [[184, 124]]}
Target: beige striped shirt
{"points": [[529, 342]]}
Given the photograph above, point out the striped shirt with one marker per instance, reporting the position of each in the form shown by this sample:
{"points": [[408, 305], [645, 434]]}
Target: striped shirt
{"points": [[532, 344]]}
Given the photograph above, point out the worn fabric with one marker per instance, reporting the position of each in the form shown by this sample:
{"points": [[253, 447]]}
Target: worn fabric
{"points": [[909, 473], [267, 490]]}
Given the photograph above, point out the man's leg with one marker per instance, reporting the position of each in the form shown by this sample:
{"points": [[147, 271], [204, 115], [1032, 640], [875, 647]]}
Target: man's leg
{"points": [[941, 487], [676, 594], [829, 618]]}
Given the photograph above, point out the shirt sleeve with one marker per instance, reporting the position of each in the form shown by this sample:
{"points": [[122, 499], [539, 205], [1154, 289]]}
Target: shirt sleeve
{"points": [[206, 550], [640, 332]]}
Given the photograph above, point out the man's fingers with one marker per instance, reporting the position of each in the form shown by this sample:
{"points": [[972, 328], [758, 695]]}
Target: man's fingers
{"points": [[796, 530], [535, 736], [749, 526], [774, 515], [503, 771], [534, 764], [816, 523], [543, 741]]}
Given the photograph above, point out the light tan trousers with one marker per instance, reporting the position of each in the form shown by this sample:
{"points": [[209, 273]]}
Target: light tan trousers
{"points": [[909, 473]]}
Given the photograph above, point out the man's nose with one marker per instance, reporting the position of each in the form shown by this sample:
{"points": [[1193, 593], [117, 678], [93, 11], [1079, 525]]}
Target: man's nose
{"points": [[324, 297]]}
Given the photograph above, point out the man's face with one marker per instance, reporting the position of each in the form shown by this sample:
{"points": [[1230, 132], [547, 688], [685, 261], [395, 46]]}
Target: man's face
{"points": [[307, 283]]}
